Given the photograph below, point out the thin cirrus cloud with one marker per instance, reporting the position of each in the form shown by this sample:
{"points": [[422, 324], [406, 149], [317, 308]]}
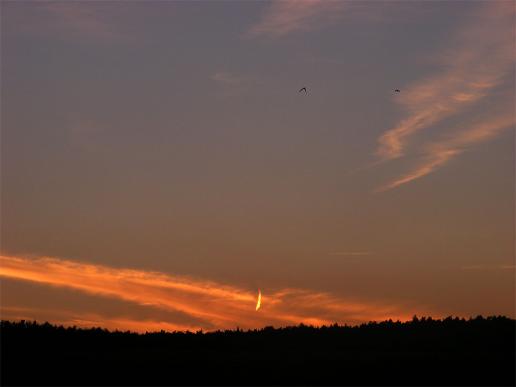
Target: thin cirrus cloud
{"points": [[210, 305], [480, 59], [78, 21], [285, 17], [288, 16], [476, 64], [82, 18], [74, 18], [437, 154]]}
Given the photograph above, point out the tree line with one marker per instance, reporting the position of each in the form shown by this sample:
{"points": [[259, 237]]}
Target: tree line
{"points": [[422, 351]]}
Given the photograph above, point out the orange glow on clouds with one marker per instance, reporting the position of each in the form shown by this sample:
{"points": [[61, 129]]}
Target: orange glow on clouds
{"points": [[87, 320], [478, 61], [287, 16], [475, 64], [210, 305], [439, 153]]}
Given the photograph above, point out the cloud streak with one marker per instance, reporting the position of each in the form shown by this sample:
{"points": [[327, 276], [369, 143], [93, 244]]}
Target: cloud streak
{"points": [[210, 305], [105, 22], [288, 16], [478, 61], [83, 18], [72, 19], [438, 154]]}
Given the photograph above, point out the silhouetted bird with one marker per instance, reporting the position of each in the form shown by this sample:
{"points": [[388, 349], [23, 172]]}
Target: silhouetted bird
{"points": [[303, 88], [397, 90]]}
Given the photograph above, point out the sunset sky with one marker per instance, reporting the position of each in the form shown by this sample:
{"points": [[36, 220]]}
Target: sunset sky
{"points": [[159, 166]]}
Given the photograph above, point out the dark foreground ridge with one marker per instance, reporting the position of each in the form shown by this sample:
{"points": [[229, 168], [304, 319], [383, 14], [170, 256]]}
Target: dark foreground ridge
{"points": [[479, 351]]}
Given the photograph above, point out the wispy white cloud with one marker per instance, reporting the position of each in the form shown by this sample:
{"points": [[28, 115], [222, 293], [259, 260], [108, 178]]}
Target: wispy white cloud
{"points": [[478, 61]]}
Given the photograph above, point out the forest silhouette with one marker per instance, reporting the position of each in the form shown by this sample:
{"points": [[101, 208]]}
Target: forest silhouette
{"points": [[423, 351]]}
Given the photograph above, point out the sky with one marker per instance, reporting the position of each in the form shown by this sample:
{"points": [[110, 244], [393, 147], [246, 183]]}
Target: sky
{"points": [[159, 166]]}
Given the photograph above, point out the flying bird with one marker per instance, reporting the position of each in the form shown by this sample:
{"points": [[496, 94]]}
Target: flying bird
{"points": [[397, 90], [303, 88], [259, 302]]}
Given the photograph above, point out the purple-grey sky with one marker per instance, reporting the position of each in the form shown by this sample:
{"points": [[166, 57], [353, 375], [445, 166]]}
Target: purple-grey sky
{"points": [[159, 166]]}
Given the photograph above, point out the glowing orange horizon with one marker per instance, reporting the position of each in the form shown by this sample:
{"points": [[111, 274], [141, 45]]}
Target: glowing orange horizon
{"points": [[215, 305]]}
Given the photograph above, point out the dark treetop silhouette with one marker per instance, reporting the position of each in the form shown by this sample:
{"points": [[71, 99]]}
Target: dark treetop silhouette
{"points": [[423, 351]]}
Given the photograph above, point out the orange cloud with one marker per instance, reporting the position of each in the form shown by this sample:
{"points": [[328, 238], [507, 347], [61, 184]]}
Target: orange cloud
{"points": [[211, 305]]}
